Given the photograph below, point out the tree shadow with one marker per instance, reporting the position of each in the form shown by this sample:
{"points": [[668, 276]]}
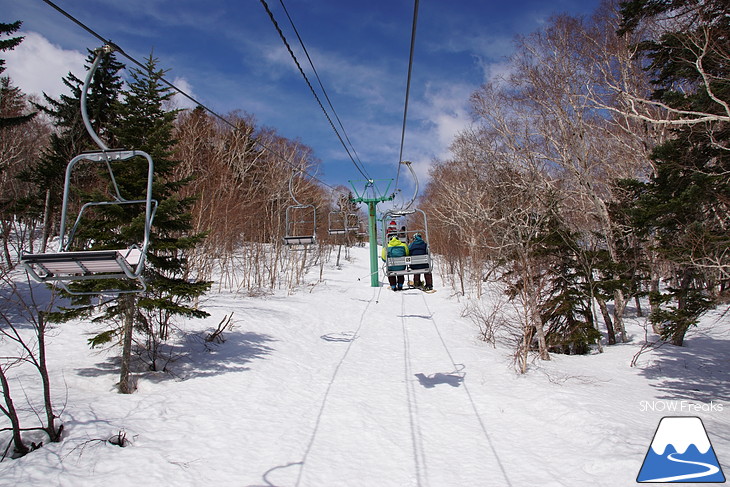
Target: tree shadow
{"points": [[698, 371], [21, 301], [194, 357], [238, 349]]}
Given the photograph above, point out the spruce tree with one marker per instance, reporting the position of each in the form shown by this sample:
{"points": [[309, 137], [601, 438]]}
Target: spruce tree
{"points": [[70, 137], [684, 206], [139, 122], [145, 124], [565, 310], [9, 44], [7, 93]]}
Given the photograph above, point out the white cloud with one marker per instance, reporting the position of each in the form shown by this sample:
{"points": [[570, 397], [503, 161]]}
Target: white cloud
{"points": [[433, 124], [36, 66], [445, 109], [496, 72], [180, 101]]}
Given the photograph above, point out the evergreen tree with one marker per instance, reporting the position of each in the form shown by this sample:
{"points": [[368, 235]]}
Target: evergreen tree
{"points": [[71, 138], [685, 204], [140, 122], [9, 94], [9, 44], [566, 309], [145, 124]]}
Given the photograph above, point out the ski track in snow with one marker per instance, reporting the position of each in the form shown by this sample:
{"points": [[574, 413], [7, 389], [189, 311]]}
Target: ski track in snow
{"points": [[371, 430], [342, 384]]}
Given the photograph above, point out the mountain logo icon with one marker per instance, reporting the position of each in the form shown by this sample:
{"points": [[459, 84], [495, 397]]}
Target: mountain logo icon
{"points": [[681, 452]]}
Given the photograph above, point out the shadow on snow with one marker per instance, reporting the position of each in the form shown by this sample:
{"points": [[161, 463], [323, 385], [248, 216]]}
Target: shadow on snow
{"points": [[699, 370], [432, 381], [194, 357]]}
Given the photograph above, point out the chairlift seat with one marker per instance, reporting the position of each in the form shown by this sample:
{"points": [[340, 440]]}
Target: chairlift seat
{"points": [[407, 263], [85, 264], [298, 240]]}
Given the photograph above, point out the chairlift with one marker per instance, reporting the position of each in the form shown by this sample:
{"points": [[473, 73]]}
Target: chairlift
{"points": [[405, 228], [342, 223], [336, 224], [353, 222], [401, 221], [67, 265], [301, 222], [362, 230]]}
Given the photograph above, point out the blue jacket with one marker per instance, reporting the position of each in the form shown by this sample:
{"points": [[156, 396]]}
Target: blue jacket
{"points": [[418, 247]]}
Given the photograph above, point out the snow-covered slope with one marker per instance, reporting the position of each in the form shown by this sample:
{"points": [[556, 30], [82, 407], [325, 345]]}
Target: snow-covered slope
{"points": [[341, 384]]}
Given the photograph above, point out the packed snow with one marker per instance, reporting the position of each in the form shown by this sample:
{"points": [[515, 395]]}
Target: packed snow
{"points": [[341, 384]]}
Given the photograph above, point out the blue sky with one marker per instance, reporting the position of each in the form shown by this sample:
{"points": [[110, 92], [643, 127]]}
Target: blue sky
{"points": [[228, 55]]}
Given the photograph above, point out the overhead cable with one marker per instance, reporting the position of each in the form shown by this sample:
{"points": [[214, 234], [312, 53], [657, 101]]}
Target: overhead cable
{"points": [[408, 89], [311, 88], [324, 92], [178, 90]]}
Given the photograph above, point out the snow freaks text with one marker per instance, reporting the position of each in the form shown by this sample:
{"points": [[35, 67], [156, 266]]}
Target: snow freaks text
{"points": [[680, 407]]}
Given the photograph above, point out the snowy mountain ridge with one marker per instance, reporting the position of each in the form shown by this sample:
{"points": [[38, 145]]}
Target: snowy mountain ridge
{"points": [[680, 432]]}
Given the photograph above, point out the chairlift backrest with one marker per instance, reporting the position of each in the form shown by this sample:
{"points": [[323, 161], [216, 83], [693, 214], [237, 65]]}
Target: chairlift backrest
{"points": [[301, 225], [342, 223], [301, 221]]}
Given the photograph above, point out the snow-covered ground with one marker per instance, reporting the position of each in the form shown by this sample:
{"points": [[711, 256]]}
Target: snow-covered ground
{"points": [[342, 384]]}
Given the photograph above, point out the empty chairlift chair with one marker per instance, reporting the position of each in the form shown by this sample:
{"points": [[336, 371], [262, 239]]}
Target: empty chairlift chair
{"points": [[301, 225], [68, 265], [337, 224], [301, 222], [341, 223]]}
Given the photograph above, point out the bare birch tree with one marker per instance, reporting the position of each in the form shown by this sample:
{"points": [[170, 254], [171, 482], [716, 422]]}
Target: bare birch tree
{"points": [[19, 146], [23, 332], [241, 176]]}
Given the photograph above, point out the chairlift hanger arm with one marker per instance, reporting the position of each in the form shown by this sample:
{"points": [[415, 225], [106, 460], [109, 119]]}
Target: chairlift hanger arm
{"points": [[409, 164], [291, 188], [100, 53]]}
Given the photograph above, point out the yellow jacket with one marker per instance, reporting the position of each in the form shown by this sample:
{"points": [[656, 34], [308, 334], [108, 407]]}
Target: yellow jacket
{"points": [[395, 248]]}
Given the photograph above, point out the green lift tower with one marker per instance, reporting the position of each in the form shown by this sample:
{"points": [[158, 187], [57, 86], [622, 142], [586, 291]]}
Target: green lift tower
{"points": [[372, 196]]}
